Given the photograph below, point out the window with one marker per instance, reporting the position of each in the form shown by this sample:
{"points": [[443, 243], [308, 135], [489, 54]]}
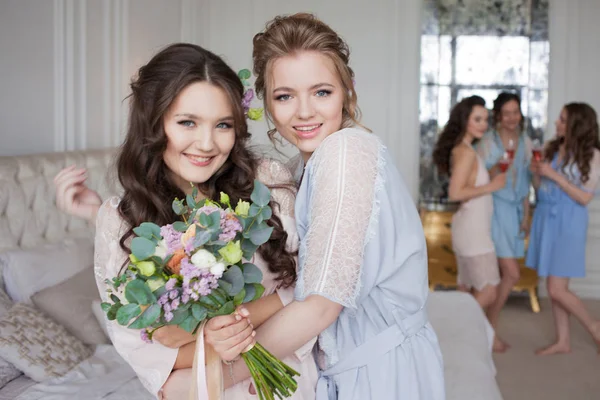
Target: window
{"points": [[484, 49]]}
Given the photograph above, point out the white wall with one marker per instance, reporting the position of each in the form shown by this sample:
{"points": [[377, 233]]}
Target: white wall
{"points": [[574, 65], [66, 63]]}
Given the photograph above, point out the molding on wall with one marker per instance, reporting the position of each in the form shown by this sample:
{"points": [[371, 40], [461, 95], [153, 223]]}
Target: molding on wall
{"points": [[82, 130], [189, 21], [59, 75]]}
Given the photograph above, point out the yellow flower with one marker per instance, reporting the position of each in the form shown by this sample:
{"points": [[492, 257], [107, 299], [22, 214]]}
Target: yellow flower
{"points": [[155, 283], [242, 208], [147, 268], [255, 114], [225, 199], [232, 253]]}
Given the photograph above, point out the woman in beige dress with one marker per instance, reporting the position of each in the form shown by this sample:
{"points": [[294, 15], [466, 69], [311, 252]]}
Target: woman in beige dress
{"points": [[471, 186]]}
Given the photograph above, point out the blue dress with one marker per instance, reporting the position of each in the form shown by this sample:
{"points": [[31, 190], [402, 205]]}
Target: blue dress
{"points": [[509, 241], [559, 229], [362, 246]]}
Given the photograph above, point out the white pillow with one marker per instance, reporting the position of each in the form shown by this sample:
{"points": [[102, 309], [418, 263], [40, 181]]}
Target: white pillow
{"points": [[100, 316], [26, 272], [38, 346]]}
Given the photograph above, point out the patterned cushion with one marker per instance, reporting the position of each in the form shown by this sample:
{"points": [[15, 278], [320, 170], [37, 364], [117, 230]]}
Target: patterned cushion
{"points": [[8, 372], [38, 346]]}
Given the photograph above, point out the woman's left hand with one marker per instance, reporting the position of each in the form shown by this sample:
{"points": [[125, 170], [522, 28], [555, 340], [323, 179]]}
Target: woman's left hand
{"points": [[545, 169], [524, 229], [173, 336]]}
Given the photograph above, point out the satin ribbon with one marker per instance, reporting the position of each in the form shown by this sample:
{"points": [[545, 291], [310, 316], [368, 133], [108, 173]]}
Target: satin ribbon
{"points": [[207, 382]]}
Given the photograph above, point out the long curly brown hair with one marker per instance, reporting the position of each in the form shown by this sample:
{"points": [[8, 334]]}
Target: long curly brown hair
{"points": [[288, 34], [580, 140], [454, 132], [149, 187]]}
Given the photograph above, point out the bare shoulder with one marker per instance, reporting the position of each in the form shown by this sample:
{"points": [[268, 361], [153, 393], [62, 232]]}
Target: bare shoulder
{"points": [[463, 152]]}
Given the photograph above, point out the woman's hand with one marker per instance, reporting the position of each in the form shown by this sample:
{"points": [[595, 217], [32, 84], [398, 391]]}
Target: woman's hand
{"points": [[73, 196], [230, 335], [498, 182], [173, 336], [524, 228]]}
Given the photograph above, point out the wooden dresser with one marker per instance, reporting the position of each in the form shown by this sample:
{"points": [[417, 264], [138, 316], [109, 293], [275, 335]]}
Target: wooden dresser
{"points": [[442, 264]]}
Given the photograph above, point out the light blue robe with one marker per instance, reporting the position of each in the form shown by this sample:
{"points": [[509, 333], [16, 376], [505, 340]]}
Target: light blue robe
{"points": [[362, 245]]}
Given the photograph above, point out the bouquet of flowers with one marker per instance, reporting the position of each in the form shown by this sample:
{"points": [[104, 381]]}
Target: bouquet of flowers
{"points": [[189, 271]]}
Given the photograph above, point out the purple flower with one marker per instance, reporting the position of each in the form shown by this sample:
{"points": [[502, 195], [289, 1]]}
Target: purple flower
{"points": [[170, 285], [172, 238], [144, 336], [185, 298], [248, 96], [167, 308], [189, 247], [175, 304], [188, 270], [162, 300], [230, 226], [168, 316], [173, 294]]}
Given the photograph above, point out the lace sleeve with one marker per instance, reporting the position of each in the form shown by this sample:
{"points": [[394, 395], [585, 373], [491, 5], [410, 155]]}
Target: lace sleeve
{"points": [[592, 184], [279, 179], [342, 183], [151, 362]]}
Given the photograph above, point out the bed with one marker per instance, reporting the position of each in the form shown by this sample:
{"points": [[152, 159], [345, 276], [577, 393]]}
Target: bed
{"points": [[30, 221]]}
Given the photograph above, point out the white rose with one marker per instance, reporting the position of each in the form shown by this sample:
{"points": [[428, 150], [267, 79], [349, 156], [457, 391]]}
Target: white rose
{"points": [[203, 259], [161, 249], [218, 269]]}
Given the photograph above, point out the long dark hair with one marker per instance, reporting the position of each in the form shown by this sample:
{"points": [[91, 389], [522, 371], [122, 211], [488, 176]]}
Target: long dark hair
{"points": [[454, 132], [149, 187], [500, 101], [581, 138]]}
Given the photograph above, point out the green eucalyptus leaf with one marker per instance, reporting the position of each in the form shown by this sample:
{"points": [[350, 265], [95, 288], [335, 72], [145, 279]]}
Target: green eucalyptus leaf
{"points": [[267, 213], [138, 292], [235, 277], [199, 312], [189, 199], [226, 309], [142, 248], [260, 289], [148, 317], [127, 312], [261, 194], [180, 226], [260, 234], [250, 293], [189, 324], [178, 207], [239, 298], [252, 274], [179, 316], [248, 249]]}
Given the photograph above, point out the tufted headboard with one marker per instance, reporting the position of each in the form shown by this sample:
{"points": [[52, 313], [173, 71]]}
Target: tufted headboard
{"points": [[28, 214]]}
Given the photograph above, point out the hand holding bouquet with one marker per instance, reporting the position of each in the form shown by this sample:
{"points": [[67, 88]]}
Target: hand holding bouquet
{"points": [[189, 271]]}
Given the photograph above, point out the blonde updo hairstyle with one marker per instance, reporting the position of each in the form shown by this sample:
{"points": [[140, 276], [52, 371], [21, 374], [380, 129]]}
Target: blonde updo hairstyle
{"points": [[288, 35]]}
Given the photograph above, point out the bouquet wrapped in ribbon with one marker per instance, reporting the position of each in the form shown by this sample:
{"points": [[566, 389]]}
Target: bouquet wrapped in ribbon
{"points": [[194, 269]]}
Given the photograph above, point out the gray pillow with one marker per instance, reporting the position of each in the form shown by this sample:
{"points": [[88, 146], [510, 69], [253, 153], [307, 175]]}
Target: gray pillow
{"points": [[70, 304]]}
